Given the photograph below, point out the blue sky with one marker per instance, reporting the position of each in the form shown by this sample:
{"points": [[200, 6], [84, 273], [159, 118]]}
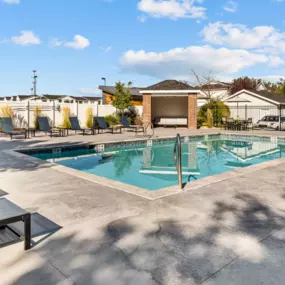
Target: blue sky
{"points": [[73, 43]]}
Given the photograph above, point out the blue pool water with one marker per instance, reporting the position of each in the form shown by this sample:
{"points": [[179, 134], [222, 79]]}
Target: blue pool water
{"points": [[153, 167]]}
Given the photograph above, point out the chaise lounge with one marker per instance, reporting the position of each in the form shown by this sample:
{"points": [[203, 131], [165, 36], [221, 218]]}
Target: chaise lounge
{"points": [[7, 128], [126, 125], [99, 123], [46, 128], [11, 213], [75, 126]]}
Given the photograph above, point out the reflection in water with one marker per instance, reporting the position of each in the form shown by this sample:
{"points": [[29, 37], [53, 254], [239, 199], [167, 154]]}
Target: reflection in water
{"points": [[153, 167], [123, 161]]}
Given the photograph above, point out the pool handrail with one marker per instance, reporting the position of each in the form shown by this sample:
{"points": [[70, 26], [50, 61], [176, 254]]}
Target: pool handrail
{"points": [[177, 159]]}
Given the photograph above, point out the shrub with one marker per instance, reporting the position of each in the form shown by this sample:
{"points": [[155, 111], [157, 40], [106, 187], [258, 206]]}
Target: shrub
{"points": [[89, 117], [131, 113], [37, 112], [112, 120], [209, 118], [6, 111], [66, 113], [218, 110]]}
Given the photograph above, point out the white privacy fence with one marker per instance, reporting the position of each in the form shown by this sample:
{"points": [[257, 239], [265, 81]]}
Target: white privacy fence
{"points": [[24, 112]]}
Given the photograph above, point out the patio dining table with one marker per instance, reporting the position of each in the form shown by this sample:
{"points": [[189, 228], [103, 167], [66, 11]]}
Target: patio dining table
{"points": [[237, 124]]}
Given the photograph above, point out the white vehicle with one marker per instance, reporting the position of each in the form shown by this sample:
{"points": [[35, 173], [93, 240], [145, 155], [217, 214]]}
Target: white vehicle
{"points": [[271, 122]]}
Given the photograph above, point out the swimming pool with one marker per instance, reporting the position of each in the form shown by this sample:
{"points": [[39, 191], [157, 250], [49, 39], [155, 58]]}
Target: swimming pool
{"points": [[153, 168]]}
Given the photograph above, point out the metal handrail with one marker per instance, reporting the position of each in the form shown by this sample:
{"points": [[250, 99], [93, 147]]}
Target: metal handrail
{"points": [[177, 159]]}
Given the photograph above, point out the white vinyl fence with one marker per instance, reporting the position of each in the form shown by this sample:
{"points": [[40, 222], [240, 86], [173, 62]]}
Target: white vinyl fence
{"points": [[24, 111]]}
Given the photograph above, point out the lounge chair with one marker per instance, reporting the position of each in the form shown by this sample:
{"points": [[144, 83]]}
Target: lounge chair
{"points": [[99, 123], [75, 126], [11, 213], [7, 128], [126, 125], [46, 128]]}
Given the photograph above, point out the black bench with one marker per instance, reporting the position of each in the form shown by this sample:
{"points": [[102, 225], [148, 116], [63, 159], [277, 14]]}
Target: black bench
{"points": [[11, 213]]}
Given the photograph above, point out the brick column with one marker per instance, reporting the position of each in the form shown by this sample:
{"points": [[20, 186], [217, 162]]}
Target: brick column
{"points": [[147, 108], [192, 111]]}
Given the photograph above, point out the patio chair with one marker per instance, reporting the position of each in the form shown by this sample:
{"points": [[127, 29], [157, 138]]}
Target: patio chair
{"points": [[100, 123], [249, 124], [75, 126], [7, 128], [230, 124], [46, 128], [11, 213], [126, 125]]}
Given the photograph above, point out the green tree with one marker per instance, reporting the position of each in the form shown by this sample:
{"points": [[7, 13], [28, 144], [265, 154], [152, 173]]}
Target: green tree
{"points": [[281, 86], [212, 113], [123, 97], [244, 83]]}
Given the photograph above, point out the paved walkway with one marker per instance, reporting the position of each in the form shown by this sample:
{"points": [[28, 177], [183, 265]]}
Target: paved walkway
{"points": [[231, 232]]}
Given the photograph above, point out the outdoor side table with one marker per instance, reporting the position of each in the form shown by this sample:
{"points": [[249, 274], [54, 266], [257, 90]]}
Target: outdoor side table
{"points": [[11, 213], [31, 132]]}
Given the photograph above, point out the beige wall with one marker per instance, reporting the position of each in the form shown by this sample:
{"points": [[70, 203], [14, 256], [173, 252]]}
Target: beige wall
{"points": [[169, 106]]}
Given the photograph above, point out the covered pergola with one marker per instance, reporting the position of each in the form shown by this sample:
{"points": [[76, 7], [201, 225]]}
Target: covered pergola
{"points": [[172, 101]]}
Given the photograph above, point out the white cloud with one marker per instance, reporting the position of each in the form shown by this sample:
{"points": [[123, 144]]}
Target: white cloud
{"points": [[26, 38], [240, 36], [275, 61], [11, 1], [106, 49], [231, 6], [272, 78], [178, 62], [55, 42], [172, 9], [142, 18], [90, 91], [79, 42]]}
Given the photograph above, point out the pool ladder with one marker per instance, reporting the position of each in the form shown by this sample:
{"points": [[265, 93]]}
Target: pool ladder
{"points": [[177, 159]]}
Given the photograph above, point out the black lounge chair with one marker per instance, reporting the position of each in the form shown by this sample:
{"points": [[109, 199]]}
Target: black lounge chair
{"points": [[46, 128], [100, 123], [126, 125], [7, 128], [75, 126], [11, 213]]}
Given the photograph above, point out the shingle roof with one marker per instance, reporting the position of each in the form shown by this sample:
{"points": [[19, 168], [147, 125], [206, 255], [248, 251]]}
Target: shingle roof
{"points": [[135, 91], [51, 97], [280, 98], [170, 85], [23, 97], [92, 98]]}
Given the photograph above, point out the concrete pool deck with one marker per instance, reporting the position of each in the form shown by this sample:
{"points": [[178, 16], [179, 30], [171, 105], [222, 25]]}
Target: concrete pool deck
{"points": [[229, 232]]}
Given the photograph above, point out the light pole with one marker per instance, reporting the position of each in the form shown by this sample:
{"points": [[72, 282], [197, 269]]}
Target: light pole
{"points": [[104, 79], [35, 82]]}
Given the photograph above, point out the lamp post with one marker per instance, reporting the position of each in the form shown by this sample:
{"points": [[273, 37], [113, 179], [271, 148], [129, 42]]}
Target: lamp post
{"points": [[35, 82], [104, 79]]}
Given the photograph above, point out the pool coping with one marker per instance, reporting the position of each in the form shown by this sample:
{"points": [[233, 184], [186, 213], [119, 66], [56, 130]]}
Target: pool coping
{"points": [[141, 192]]}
